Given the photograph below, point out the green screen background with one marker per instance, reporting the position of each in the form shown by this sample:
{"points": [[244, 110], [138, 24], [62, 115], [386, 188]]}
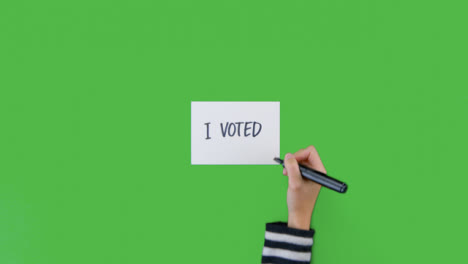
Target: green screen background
{"points": [[95, 128]]}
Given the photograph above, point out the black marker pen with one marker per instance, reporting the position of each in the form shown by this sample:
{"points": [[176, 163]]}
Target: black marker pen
{"points": [[319, 177]]}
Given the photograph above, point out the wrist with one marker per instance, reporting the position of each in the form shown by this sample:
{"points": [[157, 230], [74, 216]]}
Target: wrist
{"points": [[299, 222]]}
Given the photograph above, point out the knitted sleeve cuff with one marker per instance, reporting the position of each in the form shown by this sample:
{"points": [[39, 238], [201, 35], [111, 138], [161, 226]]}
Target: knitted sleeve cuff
{"points": [[285, 245]]}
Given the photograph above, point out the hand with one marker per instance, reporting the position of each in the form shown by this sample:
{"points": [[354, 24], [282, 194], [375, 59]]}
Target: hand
{"points": [[302, 192]]}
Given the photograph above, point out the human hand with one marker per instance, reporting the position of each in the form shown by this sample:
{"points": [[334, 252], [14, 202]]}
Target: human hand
{"points": [[302, 192]]}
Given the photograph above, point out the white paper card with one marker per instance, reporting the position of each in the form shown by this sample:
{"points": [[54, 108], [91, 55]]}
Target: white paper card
{"points": [[235, 132]]}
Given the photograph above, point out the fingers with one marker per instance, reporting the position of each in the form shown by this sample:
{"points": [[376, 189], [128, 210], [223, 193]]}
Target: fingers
{"points": [[310, 157], [292, 170]]}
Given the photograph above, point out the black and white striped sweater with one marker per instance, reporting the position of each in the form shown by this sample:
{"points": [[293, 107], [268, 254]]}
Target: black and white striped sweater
{"points": [[285, 245]]}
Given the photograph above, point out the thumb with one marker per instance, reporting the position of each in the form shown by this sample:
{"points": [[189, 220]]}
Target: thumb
{"points": [[292, 169]]}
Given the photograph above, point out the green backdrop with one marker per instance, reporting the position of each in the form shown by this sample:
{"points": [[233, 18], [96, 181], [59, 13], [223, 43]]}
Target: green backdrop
{"points": [[95, 128]]}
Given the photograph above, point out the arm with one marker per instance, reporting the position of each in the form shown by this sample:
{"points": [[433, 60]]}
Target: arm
{"points": [[292, 242], [285, 245]]}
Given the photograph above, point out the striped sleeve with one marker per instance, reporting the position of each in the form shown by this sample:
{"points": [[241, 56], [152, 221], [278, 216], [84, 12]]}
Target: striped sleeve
{"points": [[285, 245]]}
